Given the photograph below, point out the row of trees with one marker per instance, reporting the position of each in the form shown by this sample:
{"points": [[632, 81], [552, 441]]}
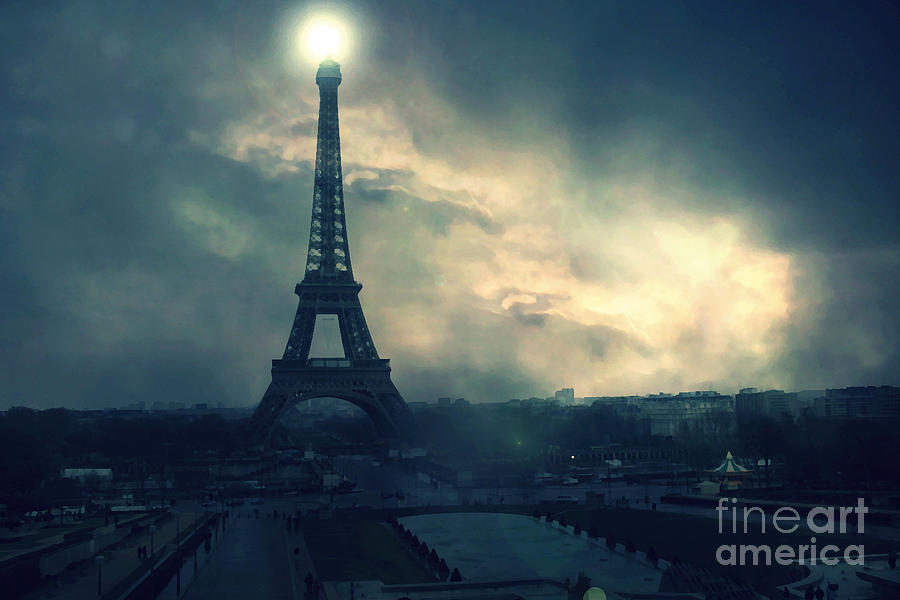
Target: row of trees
{"points": [[36, 445], [853, 453], [429, 557]]}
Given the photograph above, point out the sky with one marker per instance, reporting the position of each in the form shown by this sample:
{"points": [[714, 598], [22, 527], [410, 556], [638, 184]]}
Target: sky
{"points": [[620, 197]]}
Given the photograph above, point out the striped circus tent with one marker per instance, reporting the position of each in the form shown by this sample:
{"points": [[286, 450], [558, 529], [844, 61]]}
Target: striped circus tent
{"points": [[730, 474]]}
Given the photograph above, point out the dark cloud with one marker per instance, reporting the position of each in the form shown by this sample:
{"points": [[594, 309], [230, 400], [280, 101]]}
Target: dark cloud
{"points": [[523, 314], [849, 337]]}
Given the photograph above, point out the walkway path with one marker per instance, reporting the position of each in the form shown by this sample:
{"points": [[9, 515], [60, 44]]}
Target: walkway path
{"points": [[79, 581], [255, 559]]}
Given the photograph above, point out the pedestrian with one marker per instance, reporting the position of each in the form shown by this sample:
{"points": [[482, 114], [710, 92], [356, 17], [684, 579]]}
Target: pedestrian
{"points": [[308, 580], [785, 593], [831, 591], [809, 593], [892, 558], [820, 595]]}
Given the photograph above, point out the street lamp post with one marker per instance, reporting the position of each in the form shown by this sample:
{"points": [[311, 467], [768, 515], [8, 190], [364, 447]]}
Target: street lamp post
{"points": [[178, 577], [99, 560], [152, 531]]}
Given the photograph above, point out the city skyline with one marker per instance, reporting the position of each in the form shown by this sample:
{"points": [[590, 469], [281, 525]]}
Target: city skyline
{"points": [[624, 199]]}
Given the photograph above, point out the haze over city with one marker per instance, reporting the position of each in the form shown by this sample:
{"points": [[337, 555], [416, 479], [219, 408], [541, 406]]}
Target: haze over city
{"points": [[622, 199]]}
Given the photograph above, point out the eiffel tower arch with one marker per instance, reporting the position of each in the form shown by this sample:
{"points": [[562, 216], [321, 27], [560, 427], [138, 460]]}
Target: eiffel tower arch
{"points": [[328, 288]]}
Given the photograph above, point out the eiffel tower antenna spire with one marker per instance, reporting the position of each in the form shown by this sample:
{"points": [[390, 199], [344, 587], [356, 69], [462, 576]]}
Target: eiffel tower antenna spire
{"points": [[328, 288]]}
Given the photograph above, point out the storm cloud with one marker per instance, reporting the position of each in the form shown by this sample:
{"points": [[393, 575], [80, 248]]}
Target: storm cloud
{"points": [[621, 198]]}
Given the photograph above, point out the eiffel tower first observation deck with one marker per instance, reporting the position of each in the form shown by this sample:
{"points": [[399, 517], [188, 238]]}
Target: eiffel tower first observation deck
{"points": [[328, 288]]}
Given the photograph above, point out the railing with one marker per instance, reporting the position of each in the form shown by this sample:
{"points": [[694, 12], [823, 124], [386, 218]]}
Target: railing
{"points": [[329, 362], [333, 363]]}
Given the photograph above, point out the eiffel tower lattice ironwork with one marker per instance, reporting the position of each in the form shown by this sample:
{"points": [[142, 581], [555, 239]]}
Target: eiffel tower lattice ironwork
{"points": [[328, 288]]}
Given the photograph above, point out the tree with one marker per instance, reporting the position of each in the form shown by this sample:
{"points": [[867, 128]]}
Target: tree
{"points": [[764, 437]]}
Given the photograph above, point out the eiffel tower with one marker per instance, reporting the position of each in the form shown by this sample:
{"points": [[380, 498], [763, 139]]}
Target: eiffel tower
{"points": [[328, 288]]}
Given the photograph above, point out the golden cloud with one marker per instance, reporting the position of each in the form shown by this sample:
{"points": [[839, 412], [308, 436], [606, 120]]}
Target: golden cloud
{"points": [[604, 288]]}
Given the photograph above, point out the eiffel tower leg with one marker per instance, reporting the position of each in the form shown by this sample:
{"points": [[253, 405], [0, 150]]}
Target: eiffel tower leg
{"points": [[375, 395], [267, 414]]}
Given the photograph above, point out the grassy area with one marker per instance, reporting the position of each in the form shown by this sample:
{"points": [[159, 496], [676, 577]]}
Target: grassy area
{"points": [[359, 549]]}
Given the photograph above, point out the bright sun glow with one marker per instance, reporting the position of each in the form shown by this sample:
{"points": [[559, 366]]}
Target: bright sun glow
{"points": [[324, 37]]}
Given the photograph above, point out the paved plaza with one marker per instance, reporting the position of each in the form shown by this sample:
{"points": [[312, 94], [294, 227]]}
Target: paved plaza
{"points": [[254, 559]]}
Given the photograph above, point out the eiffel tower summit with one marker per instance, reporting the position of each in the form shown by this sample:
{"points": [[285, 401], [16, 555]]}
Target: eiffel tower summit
{"points": [[328, 288]]}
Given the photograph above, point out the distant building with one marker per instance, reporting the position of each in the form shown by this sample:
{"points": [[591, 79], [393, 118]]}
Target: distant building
{"points": [[565, 396], [812, 401], [706, 412], [85, 475], [672, 415], [445, 401], [617, 403], [413, 453], [771, 403], [868, 402]]}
